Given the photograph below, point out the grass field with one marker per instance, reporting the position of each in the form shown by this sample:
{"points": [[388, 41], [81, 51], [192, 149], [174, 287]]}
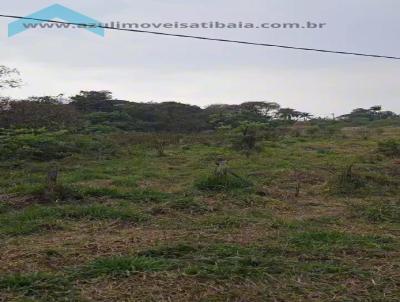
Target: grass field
{"points": [[305, 219]]}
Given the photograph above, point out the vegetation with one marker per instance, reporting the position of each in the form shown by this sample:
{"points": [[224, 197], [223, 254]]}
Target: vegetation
{"points": [[171, 202]]}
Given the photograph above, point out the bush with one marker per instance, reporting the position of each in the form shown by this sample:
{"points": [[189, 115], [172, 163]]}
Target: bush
{"points": [[42, 145], [35, 146], [247, 137]]}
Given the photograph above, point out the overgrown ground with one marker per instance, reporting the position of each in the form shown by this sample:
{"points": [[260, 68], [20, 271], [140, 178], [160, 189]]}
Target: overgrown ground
{"points": [[136, 226]]}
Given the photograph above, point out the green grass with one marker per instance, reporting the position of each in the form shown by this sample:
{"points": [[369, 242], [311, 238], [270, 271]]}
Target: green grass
{"points": [[39, 287], [39, 218], [224, 261], [333, 241], [219, 261], [140, 196], [222, 183], [159, 228], [378, 211]]}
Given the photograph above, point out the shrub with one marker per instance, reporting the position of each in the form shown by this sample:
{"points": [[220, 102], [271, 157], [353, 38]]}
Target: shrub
{"points": [[247, 136], [42, 145]]}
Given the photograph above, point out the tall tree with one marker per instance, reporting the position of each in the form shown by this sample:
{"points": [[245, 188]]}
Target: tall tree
{"points": [[93, 101], [287, 113]]}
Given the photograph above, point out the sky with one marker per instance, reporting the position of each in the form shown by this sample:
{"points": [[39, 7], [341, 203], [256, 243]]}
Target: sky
{"points": [[142, 68]]}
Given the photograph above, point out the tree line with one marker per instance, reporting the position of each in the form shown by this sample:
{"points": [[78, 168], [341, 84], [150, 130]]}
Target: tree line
{"points": [[99, 111]]}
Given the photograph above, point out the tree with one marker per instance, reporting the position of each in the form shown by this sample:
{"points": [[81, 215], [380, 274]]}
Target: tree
{"points": [[9, 77], [376, 111], [92, 101], [51, 100], [36, 114], [376, 108], [248, 135], [261, 108], [305, 116], [287, 113], [361, 115], [233, 115]]}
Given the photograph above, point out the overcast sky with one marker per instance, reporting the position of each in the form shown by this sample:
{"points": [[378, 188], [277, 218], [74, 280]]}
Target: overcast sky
{"points": [[140, 67]]}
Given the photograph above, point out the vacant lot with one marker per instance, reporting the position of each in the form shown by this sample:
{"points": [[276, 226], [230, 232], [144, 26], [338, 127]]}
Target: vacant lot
{"points": [[300, 219]]}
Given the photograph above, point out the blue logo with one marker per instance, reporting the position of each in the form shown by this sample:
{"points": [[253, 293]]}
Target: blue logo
{"points": [[55, 11]]}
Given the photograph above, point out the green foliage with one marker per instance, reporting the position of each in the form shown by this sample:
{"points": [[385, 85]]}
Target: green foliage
{"points": [[390, 148], [42, 145], [36, 113], [284, 246], [34, 146], [361, 116], [247, 136]]}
